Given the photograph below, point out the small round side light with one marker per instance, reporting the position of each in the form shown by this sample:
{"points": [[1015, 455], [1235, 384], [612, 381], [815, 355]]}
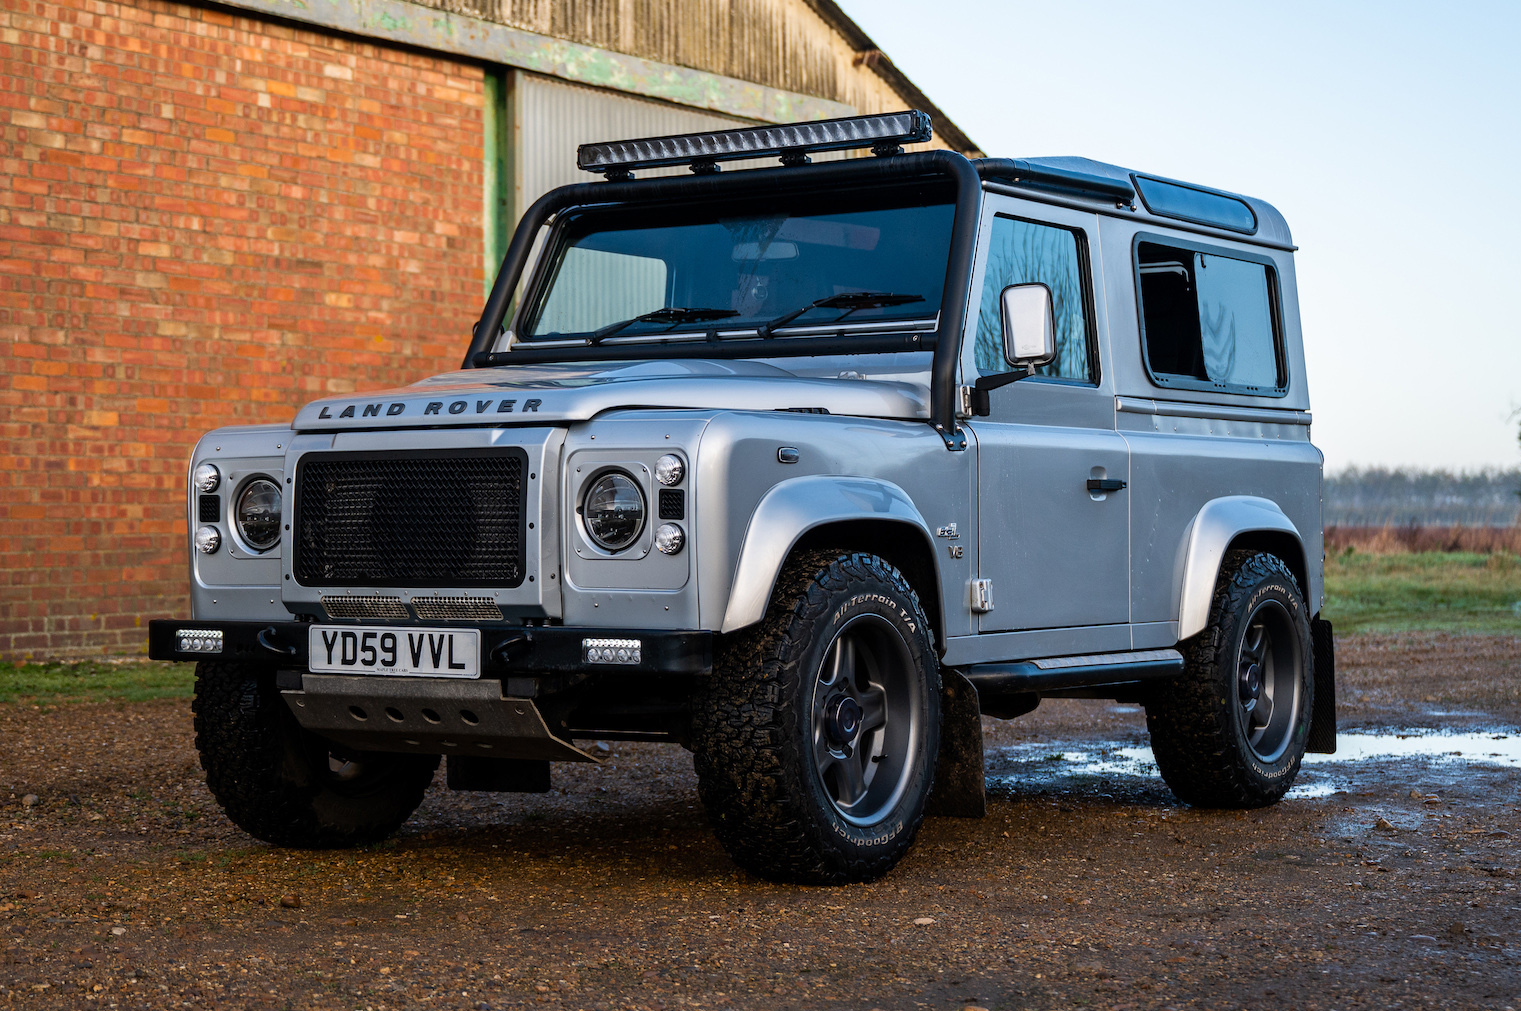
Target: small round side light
{"points": [[670, 469], [206, 478], [669, 539], [207, 540]]}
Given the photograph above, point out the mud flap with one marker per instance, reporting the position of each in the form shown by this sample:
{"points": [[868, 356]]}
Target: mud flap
{"points": [[1322, 739], [959, 790]]}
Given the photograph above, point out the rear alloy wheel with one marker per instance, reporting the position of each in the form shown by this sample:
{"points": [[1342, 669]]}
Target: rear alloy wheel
{"points": [[1268, 681], [1231, 731], [815, 740]]}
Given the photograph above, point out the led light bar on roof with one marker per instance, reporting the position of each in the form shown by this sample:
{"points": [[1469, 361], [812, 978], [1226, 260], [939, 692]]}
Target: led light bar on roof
{"points": [[885, 134]]}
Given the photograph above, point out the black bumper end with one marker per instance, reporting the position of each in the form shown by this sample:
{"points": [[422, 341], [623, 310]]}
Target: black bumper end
{"points": [[505, 650]]}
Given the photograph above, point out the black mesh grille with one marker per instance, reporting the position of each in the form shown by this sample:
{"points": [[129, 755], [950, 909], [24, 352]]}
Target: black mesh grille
{"points": [[210, 508], [442, 518], [673, 504]]}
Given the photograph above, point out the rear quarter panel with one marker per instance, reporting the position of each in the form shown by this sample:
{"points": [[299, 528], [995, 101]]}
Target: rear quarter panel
{"points": [[1180, 463]]}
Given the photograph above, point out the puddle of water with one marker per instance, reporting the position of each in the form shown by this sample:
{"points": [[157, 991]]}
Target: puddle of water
{"points": [[1035, 765], [1480, 748]]}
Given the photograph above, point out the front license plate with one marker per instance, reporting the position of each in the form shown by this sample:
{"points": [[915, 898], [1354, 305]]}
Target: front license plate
{"points": [[405, 652]]}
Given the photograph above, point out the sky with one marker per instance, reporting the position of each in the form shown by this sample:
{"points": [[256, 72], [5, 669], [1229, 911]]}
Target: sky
{"points": [[1388, 134]]}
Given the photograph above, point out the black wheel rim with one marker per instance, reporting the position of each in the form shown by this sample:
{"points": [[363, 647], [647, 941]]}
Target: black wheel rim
{"points": [[345, 771], [1269, 676], [867, 721]]}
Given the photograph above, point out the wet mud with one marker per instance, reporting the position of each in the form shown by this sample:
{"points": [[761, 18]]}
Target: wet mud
{"points": [[1387, 878]]}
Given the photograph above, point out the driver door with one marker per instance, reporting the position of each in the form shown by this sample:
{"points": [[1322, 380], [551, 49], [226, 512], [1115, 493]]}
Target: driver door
{"points": [[1055, 547]]}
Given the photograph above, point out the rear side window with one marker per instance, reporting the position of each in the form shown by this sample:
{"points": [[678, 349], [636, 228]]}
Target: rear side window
{"points": [[1209, 321], [1021, 252]]}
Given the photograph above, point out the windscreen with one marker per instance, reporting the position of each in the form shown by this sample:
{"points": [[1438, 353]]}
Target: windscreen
{"points": [[621, 273]]}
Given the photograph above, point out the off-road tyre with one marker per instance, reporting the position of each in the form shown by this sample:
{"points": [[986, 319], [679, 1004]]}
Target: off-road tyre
{"points": [[1200, 732], [276, 781], [755, 728]]}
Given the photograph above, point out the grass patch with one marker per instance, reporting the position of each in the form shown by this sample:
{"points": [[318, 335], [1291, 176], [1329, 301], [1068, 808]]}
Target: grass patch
{"points": [[95, 681], [1434, 590]]}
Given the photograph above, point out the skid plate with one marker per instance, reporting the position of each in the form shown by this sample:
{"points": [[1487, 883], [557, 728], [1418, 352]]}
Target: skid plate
{"points": [[431, 716]]}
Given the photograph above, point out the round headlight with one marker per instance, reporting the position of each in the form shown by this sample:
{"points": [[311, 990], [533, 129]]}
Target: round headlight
{"points": [[669, 539], [206, 477], [207, 540], [258, 514], [669, 469], [613, 511]]}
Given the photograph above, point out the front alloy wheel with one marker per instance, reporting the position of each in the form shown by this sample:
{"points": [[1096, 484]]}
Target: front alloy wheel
{"points": [[815, 739], [865, 732]]}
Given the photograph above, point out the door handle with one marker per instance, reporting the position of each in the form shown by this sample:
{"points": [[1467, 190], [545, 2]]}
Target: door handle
{"points": [[1105, 484]]}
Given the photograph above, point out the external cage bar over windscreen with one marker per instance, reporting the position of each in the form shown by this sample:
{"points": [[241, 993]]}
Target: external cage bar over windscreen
{"points": [[945, 341]]}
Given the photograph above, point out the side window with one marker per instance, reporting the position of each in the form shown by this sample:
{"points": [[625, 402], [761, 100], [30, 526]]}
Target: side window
{"points": [[1208, 321], [1021, 252]]}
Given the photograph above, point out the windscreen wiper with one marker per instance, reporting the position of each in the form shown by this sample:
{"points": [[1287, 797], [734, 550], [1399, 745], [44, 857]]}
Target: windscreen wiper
{"points": [[672, 315], [850, 301]]}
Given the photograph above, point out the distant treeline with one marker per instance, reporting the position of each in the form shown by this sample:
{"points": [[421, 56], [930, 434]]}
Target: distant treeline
{"points": [[1377, 497]]}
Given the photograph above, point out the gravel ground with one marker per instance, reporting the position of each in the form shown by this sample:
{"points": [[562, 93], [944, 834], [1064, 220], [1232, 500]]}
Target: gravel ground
{"points": [[1378, 884]]}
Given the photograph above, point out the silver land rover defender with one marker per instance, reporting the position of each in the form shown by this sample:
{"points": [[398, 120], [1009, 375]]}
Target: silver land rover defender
{"points": [[803, 467]]}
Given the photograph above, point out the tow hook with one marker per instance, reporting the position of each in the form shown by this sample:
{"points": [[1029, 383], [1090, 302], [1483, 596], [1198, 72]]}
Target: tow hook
{"points": [[509, 649], [269, 639]]}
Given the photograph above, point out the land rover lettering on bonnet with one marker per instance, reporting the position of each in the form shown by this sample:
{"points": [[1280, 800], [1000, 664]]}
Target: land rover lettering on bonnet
{"points": [[803, 468]]}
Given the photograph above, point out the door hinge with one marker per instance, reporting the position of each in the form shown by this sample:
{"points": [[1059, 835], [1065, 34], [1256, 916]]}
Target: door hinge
{"points": [[964, 401], [982, 596]]}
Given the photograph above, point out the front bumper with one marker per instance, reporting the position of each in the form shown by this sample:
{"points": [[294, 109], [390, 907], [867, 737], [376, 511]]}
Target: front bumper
{"points": [[507, 651], [519, 707]]}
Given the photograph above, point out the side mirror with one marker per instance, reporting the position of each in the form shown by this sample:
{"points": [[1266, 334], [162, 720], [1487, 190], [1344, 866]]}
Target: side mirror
{"points": [[1029, 325], [1029, 340]]}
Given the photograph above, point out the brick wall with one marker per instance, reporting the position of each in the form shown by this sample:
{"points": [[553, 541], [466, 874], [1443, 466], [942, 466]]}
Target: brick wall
{"points": [[205, 219]]}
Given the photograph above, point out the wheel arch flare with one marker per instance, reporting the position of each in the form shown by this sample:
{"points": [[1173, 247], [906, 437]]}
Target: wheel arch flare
{"points": [[793, 509], [1223, 523]]}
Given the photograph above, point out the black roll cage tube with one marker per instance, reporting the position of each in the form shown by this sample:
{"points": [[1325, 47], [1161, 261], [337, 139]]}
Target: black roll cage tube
{"points": [[954, 302]]}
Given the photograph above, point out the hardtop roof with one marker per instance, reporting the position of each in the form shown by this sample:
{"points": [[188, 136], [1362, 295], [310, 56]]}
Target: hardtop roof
{"points": [[1272, 228]]}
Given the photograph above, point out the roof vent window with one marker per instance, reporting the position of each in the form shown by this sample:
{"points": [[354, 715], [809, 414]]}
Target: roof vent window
{"points": [[1202, 207]]}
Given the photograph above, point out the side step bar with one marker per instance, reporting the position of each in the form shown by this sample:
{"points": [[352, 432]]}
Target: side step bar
{"points": [[1057, 673]]}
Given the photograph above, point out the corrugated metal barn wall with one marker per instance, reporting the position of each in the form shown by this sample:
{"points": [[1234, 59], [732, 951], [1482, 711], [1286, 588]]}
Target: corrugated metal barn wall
{"points": [[534, 125], [551, 118], [781, 44]]}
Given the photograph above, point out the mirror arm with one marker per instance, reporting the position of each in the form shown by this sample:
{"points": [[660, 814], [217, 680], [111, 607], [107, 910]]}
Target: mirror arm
{"points": [[981, 403]]}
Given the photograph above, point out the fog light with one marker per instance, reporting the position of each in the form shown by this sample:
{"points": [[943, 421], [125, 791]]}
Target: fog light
{"points": [[669, 539], [618, 651], [199, 640], [669, 469], [208, 539], [206, 477]]}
